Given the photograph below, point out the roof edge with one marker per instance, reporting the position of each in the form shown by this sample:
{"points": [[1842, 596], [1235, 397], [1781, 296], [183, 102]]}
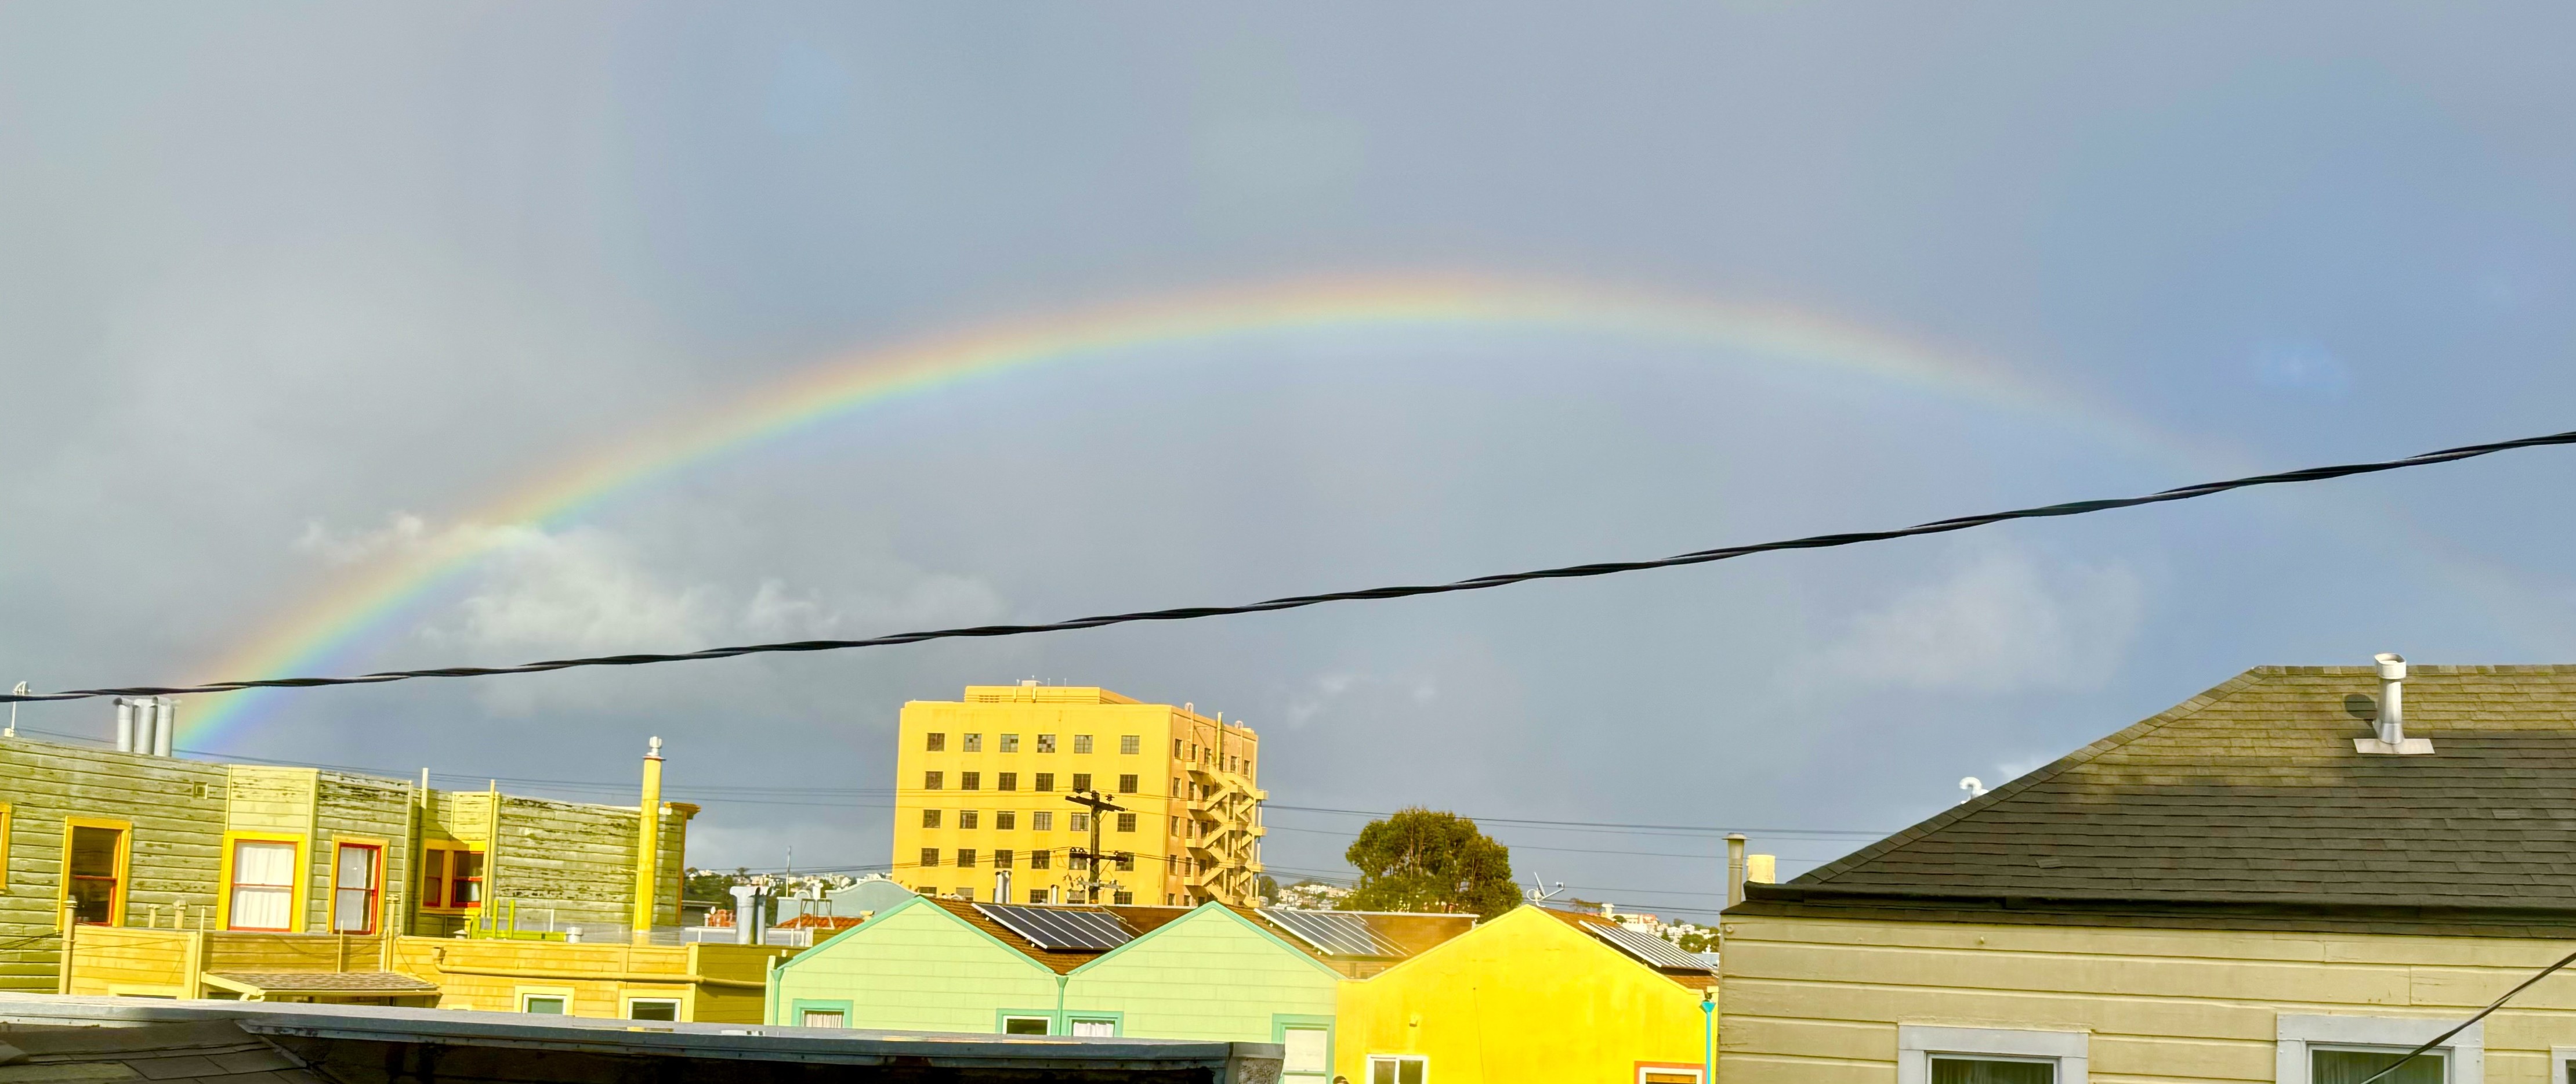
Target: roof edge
{"points": [[1796, 893], [1943, 819]]}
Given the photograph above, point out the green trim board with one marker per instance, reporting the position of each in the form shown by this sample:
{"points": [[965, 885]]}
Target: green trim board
{"points": [[1282, 1022], [800, 1006]]}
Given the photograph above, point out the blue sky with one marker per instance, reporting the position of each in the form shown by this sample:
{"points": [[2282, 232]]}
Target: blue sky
{"points": [[276, 279]]}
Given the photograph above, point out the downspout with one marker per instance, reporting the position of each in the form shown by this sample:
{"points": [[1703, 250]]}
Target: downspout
{"points": [[491, 857]]}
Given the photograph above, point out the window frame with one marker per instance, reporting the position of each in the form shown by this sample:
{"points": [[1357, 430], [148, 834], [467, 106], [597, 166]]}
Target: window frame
{"points": [[124, 869], [1281, 1023], [447, 879], [1131, 745], [2559, 1056], [1368, 1066], [798, 1007], [934, 741], [2295, 1034], [1002, 1020], [375, 893], [1697, 1071], [227, 868], [7, 825], [679, 1007], [1082, 743], [1917, 1043], [519, 996]]}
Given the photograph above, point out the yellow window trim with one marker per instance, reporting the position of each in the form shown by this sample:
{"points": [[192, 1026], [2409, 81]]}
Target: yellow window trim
{"points": [[519, 996], [124, 855], [224, 878], [384, 884], [5, 824], [469, 846]]}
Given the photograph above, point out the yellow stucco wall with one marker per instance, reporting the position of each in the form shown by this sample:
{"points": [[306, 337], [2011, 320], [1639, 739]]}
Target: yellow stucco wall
{"points": [[1524, 997], [1818, 1001]]}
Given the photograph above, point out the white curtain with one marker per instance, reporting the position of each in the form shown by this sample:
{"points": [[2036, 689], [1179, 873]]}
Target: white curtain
{"points": [[263, 886]]}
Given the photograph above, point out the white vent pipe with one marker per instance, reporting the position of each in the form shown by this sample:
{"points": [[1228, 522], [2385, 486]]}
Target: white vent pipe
{"points": [[165, 724], [147, 724], [2392, 698], [124, 725]]}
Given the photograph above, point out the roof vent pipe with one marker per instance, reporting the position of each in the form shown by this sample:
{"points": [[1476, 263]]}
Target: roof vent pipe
{"points": [[2392, 698], [124, 725], [165, 724]]}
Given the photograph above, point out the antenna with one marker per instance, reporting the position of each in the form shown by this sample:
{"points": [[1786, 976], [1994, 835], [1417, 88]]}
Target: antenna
{"points": [[12, 732], [1539, 892]]}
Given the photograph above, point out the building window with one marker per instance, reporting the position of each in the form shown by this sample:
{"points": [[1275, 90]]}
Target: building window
{"points": [[1024, 1025], [1176, 748], [974, 743], [965, 857], [1041, 821], [935, 743], [1176, 787], [966, 818], [930, 856], [1309, 1047], [1078, 822], [1093, 1027], [1082, 743], [930, 818], [1926, 1054], [1127, 860], [545, 1004], [1176, 826], [1126, 784], [1006, 781], [357, 872], [1398, 1069], [1038, 859], [970, 780], [1038, 895], [653, 1008], [1126, 822], [1666, 1072], [1081, 781], [932, 780], [1046, 743], [1002, 860], [1010, 743], [94, 872], [1005, 820], [262, 886], [2562, 1064], [1131, 744], [823, 1018], [2339, 1049], [1045, 782]]}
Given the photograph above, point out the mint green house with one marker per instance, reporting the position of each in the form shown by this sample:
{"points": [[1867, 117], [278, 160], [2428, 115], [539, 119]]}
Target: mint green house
{"points": [[1208, 972]]}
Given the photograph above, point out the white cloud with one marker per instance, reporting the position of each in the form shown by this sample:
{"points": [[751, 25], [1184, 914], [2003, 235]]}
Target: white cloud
{"points": [[2000, 620]]}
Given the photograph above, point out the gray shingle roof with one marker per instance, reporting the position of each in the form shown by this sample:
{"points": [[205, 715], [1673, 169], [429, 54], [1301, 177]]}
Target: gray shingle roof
{"points": [[2252, 793], [214, 1052]]}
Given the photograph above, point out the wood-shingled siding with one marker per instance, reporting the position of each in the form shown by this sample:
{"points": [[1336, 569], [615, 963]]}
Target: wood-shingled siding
{"points": [[1818, 1000], [177, 811]]}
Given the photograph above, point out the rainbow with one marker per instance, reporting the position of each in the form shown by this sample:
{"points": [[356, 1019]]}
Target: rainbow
{"points": [[369, 605]]}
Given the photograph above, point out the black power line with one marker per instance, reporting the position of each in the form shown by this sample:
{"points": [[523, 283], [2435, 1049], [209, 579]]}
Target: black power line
{"points": [[1293, 602]]}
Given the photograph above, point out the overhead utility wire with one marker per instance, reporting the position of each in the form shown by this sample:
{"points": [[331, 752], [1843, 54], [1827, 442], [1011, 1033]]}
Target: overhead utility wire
{"points": [[2464, 1025], [1292, 602]]}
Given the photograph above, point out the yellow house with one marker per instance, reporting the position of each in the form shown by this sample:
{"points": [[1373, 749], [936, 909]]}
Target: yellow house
{"points": [[2294, 877], [1536, 995]]}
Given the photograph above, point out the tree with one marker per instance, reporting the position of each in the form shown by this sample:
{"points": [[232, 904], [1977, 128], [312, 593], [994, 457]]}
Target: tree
{"points": [[1422, 860], [1267, 888]]}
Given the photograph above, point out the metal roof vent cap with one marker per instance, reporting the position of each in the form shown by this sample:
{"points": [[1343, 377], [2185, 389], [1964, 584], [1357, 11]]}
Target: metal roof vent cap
{"points": [[2391, 724]]}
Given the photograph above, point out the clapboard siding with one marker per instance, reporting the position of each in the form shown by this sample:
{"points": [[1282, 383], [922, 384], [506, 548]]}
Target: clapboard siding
{"points": [[1811, 999], [175, 807], [573, 858]]}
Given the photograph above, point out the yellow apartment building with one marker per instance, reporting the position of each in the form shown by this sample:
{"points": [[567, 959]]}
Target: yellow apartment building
{"points": [[982, 782]]}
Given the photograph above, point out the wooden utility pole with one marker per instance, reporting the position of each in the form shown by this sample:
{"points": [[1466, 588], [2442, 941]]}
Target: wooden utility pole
{"points": [[1097, 803]]}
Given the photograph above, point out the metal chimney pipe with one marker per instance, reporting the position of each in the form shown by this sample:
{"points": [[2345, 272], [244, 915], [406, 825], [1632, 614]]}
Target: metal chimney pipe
{"points": [[1002, 886], [2392, 698], [745, 904], [147, 724], [124, 725], [165, 724], [1734, 868]]}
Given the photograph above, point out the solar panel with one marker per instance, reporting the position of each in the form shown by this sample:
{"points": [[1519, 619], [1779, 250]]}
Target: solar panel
{"points": [[1654, 951], [1059, 929], [1333, 934]]}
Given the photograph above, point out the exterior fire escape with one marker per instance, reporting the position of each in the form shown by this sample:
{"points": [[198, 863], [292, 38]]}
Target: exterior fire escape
{"points": [[1224, 844]]}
